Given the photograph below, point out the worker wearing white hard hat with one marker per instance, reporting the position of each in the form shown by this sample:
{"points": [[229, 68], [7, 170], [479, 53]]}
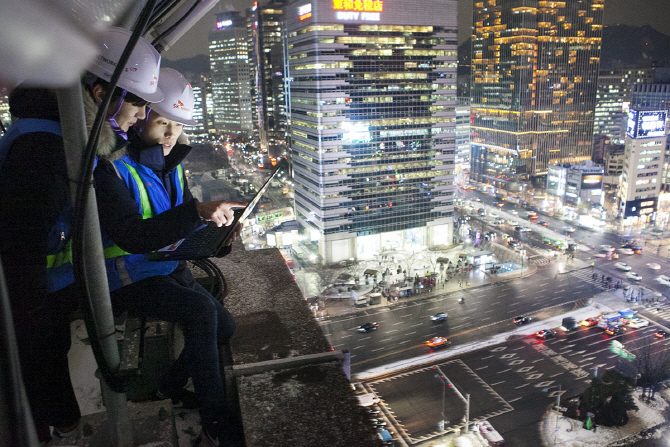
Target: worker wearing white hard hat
{"points": [[137, 85], [144, 204], [165, 120]]}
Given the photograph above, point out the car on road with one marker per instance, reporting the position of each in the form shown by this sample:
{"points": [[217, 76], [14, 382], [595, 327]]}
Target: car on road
{"points": [[440, 316], [589, 322], [625, 251], [522, 320], [491, 234], [622, 266], [544, 223], [545, 333], [437, 342], [660, 334], [662, 279], [500, 204], [637, 323], [654, 266], [476, 199], [634, 276], [569, 229], [615, 330], [515, 212], [606, 248], [377, 422], [368, 327], [600, 255]]}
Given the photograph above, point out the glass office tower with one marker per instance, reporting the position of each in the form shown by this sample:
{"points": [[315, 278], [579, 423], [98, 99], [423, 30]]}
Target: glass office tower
{"points": [[230, 74], [534, 81], [372, 99]]}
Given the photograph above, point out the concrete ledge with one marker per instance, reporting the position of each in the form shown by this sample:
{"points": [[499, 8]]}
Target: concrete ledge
{"points": [[291, 387]]}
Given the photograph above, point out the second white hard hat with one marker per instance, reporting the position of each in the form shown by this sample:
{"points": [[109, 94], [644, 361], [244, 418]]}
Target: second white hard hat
{"points": [[140, 75], [179, 98]]}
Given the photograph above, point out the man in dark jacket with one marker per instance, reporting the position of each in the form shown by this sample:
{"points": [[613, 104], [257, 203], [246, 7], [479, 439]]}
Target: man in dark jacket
{"points": [[151, 168], [35, 215]]}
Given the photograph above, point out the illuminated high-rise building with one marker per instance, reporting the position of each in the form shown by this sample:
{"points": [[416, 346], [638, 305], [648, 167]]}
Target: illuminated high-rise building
{"points": [[534, 79], [373, 99], [230, 74], [264, 31], [613, 100]]}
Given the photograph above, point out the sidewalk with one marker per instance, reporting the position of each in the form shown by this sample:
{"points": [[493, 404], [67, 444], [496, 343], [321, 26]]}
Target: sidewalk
{"points": [[475, 278]]}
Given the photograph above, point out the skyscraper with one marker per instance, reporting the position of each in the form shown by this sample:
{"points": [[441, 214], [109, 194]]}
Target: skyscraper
{"points": [[373, 98], [613, 100], [264, 31], [534, 77], [230, 74]]}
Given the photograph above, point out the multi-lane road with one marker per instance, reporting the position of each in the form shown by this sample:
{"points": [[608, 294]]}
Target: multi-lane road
{"points": [[511, 383]]}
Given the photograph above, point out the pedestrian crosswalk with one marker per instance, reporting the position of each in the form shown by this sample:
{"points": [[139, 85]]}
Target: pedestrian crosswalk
{"points": [[587, 275], [539, 261]]}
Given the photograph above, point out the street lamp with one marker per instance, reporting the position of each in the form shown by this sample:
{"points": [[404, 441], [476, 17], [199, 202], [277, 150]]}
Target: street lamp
{"points": [[445, 383]]}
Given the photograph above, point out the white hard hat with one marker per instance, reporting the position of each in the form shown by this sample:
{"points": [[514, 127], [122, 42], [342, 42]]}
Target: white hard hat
{"points": [[179, 98], [140, 75]]}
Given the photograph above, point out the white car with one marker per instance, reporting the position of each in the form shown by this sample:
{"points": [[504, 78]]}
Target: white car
{"points": [[606, 248], [625, 251], [600, 255], [654, 266], [622, 266], [569, 229], [662, 279], [476, 199], [637, 323], [515, 212], [634, 276]]}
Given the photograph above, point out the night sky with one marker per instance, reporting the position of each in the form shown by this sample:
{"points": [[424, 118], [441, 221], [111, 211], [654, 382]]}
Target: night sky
{"points": [[625, 12]]}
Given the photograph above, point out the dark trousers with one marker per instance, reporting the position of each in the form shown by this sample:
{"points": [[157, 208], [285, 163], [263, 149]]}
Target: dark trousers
{"points": [[43, 338], [205, 323]]}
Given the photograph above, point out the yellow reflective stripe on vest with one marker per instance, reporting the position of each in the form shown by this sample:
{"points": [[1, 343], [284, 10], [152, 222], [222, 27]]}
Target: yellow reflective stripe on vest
{"points": [[145, 205], [113, 252], [62, 257]]}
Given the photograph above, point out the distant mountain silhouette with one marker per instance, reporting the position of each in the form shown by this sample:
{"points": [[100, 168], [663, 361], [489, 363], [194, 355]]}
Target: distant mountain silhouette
{"points": [[632, 46], [191, 67]]}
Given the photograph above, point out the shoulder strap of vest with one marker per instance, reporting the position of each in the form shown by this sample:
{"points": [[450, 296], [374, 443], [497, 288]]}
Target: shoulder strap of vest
{"points": [[23, 126], [145, 204]]}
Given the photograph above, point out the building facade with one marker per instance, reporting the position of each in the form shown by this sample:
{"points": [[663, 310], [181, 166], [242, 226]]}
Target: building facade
{"points": [[230, 74], [264, 31], [655, 97], [534, 75], [576, 184], [613, 100], [373, 111], [644, 156], [462, 139]]}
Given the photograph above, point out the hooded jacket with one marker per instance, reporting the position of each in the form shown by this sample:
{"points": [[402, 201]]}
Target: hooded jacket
{"points": [[120, 213], [34, 181]]}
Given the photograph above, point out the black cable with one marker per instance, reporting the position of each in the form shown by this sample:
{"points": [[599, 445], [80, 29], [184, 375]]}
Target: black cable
{"points": [[161, 11], [118, 382], [177, 23]]}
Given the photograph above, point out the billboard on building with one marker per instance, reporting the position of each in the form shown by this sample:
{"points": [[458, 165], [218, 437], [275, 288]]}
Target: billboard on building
{"points": [[592, 181], [646, 123]]}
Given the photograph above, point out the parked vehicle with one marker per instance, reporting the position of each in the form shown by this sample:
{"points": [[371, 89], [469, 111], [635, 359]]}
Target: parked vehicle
{"points": [[367, 399]]}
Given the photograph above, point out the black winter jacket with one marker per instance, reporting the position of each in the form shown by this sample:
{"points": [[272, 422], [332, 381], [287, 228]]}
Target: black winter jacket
{"points": [[119, 215]]}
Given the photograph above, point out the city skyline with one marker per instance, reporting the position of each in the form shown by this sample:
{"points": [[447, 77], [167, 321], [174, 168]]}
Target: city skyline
{"points": [[618, 12]]}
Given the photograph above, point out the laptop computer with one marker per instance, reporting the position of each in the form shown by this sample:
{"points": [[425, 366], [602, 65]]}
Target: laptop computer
{"points": [[208, 239]]}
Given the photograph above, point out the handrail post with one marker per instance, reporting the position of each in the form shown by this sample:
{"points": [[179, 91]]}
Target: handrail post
{"points": [[75, 136]]}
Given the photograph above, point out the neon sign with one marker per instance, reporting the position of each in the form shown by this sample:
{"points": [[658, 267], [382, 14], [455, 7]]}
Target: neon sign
{"points": [[305, 11], [359, 5], [223, 24]]}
